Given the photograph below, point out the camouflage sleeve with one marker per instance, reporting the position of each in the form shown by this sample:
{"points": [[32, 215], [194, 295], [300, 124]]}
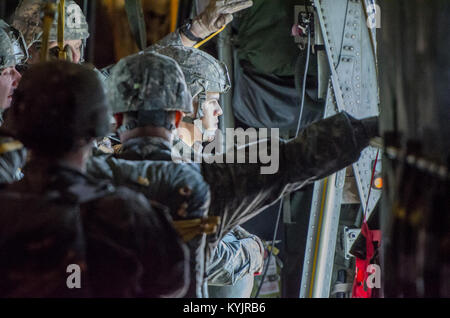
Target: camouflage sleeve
{"points": [[179, 186], [12, 159], [171, 39], [125, 227], [240, 191], [97, 166], [234, 257]]}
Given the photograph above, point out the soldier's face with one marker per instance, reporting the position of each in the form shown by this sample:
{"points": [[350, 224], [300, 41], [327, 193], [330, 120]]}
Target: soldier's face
{"points": [[212, 111], [73, 47], [9, 80]]}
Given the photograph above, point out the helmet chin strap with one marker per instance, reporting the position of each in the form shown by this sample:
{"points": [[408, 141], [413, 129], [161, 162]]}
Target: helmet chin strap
{"points": [[197, 120], [206, 133]]}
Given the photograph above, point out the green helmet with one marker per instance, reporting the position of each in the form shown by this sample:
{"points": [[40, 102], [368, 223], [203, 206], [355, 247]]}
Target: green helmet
{"points": [[148, 82], [203, 72], [28, 20], [13, 49], [52, 116]]}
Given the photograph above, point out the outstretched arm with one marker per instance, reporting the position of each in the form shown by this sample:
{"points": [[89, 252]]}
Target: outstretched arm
{"points": [[239, 191]]}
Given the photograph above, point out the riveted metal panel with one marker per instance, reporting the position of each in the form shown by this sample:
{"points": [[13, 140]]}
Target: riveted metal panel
{"points": [[350, 49]]}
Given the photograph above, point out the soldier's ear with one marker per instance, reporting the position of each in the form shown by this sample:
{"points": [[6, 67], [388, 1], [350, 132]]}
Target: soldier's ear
{"points": [[178, 117]]}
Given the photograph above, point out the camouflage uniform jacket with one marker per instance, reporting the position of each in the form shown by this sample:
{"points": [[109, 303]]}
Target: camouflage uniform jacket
{"points": [[170, 39], [237, 254], [57, 216], [240, 191], [141, 160], [145, 165]]}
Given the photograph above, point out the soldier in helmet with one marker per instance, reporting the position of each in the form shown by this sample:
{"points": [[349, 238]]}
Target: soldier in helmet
{"points": [[12, 52], [148, 114], [206, 78], [231, 259], [147, 92], [56, 220], [27, 19], [147, 108], [239, 255]]}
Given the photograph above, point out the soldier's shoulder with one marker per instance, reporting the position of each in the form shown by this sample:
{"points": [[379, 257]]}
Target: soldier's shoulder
{"points": [[177, 173], [120, 199]]}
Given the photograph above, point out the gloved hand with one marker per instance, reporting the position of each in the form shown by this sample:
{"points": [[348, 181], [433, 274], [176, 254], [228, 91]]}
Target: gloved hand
{"points": [[217, 14], [241, 234], [366, 128], [371, 126]]}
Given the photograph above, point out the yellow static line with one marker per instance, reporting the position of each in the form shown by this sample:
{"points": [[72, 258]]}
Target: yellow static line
{"points": [[174, 6], [209, 38], [61, 26], [319, 229]]}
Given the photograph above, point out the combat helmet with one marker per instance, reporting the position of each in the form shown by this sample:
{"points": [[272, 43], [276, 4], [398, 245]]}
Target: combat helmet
{"points": [[202, 71], [147, 82], [28, 20], [13, 49], [148, 87], [52, 116]]}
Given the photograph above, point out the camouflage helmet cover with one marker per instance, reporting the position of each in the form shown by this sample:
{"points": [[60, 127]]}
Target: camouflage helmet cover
{"points": [[13, 49], [202, 71], [148, 81], [28, 20]]}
